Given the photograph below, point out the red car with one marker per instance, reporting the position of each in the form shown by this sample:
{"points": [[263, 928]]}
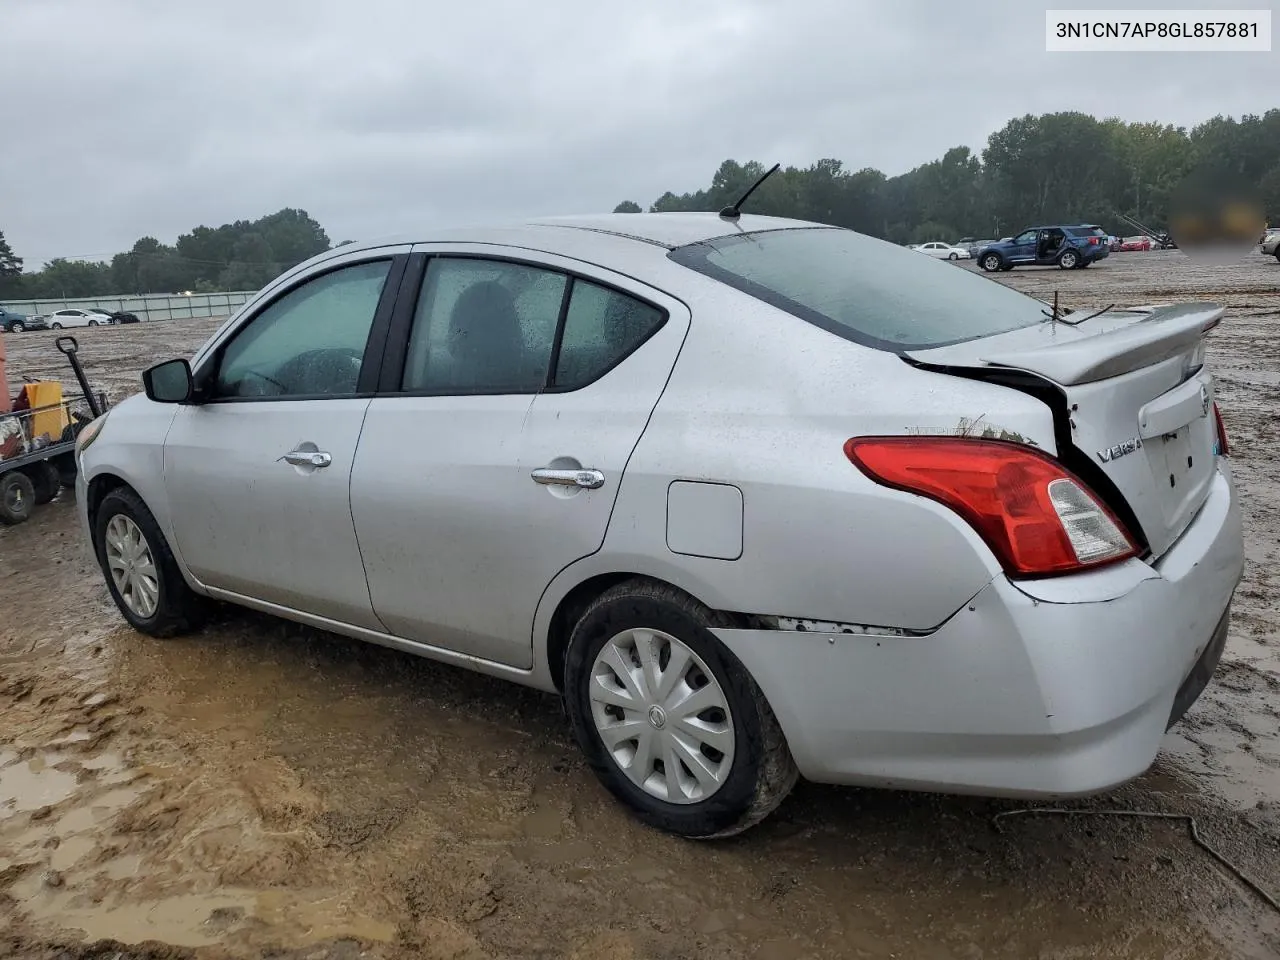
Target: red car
{"points": [[1132, 243]]}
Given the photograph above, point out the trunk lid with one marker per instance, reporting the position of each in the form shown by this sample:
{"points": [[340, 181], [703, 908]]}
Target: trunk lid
{"points": [[1135, 398]]}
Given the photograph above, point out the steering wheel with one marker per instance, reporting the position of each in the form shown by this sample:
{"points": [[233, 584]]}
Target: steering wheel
{"points": [[325, 370]]}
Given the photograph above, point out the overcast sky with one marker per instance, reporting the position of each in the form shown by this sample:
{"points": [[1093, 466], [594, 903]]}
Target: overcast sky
{"points": [[124, 118]]}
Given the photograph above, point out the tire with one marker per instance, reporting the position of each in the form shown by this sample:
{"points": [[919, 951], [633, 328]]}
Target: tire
{"points": [[176, 608], [45, 481], [757, 770], [17, 498], [55, 325], [1069, 260], [92, 322], [991, 262], [17, 326], [954, 256]]}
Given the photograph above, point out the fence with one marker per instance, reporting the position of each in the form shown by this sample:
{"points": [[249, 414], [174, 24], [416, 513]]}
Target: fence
{"points": [[156, 306]]}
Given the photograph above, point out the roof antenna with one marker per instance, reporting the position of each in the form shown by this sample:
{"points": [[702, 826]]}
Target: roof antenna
{"points": [[734, 211]]}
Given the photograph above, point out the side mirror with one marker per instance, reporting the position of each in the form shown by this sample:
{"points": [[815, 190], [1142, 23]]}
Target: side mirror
{"points": [[169, 382]]}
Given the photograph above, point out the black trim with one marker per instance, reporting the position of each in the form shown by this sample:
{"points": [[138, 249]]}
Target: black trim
{"points": [[557, 340], [1194, 683], [375, 343], [397, 347]]}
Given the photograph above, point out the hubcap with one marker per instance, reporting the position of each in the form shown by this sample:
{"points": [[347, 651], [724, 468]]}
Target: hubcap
{"points": [[13, 498], [662, 716], [133, 569]]}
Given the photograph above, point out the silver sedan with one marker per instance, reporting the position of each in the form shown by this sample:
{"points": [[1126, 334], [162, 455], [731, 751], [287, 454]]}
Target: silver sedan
{"points": [[758, 498]]}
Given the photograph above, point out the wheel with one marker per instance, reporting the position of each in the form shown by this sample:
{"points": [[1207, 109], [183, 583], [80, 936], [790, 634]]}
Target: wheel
{"points": [[141, 572], [92, 322], [45, 481], [954, 256], [668, 718], [17, 326], [1069, 260], [991, 262], [17, 498], [55, 325]]}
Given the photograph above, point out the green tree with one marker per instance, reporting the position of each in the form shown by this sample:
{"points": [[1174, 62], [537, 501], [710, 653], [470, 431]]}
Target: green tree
{"points": [[10, 269], [627, 206]]}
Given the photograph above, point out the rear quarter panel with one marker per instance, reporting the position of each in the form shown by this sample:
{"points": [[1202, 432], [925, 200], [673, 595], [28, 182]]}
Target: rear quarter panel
{"points": [[764, 401]]}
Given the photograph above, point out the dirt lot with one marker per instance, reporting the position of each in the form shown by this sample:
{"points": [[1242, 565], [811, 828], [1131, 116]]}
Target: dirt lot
{"points": [[261, 790]]}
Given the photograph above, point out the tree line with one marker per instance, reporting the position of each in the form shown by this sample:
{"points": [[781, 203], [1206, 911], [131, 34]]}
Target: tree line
{"points": [[1054, 168], [243, 255]]}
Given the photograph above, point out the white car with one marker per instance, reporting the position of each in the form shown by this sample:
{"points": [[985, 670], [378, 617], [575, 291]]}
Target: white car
{"points": [[943, 251], [77, 318], [758, 498]]}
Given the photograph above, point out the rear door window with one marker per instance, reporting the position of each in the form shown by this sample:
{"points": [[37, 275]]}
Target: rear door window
{"points": [[862, 289]]}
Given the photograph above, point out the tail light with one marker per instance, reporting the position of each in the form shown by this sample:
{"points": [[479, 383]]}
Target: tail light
{"points": [[1222, 432], [1037, 517], [1093, 241]]}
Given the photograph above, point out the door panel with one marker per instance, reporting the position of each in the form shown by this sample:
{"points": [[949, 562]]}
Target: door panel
{"points": [[250, 522], [458, 538], [248, 517]]}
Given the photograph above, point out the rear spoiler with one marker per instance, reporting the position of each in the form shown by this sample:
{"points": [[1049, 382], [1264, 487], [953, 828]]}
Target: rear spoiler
{"points": [[1165, 332]]}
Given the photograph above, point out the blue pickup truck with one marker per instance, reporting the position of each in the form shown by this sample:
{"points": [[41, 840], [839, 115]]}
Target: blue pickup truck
{"points": [[1071, 247], [11, 322]]}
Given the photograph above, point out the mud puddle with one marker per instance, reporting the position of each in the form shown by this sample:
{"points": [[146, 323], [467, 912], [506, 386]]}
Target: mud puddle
{"points": [[265, 790]]}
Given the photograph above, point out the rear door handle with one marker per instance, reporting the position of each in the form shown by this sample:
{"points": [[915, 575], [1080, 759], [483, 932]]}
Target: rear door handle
{"points": [[307, 458], [590, 479]]}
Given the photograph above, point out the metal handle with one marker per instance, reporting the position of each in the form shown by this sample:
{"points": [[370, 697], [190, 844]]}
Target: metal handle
{"points": [[590, 479], [307, 458]]}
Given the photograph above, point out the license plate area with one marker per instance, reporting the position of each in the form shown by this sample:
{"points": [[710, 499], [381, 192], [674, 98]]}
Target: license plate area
{"points": [[1182, 462]]}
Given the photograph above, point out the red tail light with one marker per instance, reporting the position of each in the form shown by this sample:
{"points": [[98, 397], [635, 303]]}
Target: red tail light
{"points": [[1093, 241], [1222, 432], [1037, 517]]}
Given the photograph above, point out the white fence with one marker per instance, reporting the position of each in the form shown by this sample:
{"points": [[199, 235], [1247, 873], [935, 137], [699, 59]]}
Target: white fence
{"points": [[156, 306]]}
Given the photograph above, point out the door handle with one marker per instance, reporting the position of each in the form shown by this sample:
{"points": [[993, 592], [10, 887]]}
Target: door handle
{"points": [[589, 479], [307, 458]]}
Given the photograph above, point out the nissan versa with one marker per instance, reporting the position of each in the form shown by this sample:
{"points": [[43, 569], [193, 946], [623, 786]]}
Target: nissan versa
{"points": [[759, 498]]}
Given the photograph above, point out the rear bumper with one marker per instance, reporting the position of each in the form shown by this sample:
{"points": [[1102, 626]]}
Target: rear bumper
{"points": [[1064, 693]]}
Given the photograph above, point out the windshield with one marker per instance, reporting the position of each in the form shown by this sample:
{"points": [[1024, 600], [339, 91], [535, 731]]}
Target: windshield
{"points": [[865, 290]]}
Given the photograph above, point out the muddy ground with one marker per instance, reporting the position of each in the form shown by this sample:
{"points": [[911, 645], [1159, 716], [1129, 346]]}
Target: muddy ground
{"points": [[262, 790]]}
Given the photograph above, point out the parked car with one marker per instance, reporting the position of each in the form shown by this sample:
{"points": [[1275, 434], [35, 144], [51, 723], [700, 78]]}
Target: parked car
{"points": [[13, 322], [715, 483], [89, 317], [1271, 245], [1130, 244], [121, 316], [943, 251], [1069, 247]]}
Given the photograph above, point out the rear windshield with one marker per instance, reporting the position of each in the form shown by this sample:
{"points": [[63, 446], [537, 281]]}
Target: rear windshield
{"points": [[862, 289], [1086, 231]]}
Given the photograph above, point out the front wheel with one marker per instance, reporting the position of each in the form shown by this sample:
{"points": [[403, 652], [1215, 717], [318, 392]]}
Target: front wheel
{"points": [[93, 323], [1069, 260], [55, 325], [141, 572], [954, 256], [669, 719], [990, 263], [17, 326], [17, 498]]}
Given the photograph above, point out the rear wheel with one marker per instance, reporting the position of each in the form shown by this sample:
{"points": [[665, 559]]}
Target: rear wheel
{"points": [[991, 262], [141, 572], [1069, 260], [55, 325], [669, 719], [17, 498], [954, 256]]}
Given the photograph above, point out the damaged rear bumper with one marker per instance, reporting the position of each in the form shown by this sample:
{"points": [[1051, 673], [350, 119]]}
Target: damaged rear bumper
{"points": [[1056, 688]]}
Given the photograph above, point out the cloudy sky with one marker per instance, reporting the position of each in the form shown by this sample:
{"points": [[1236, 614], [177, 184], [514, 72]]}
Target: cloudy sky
{"points": [[124, 118]]}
